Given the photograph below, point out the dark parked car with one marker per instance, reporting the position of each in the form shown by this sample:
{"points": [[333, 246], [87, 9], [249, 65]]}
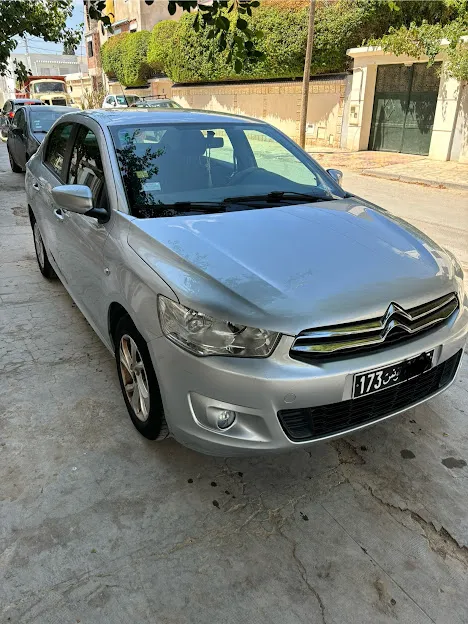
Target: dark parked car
{"points": [[8, 112], [27, 131]]}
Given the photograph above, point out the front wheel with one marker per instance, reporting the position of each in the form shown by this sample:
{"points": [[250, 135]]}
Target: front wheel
{"points": [[42, 259], [138, 381]]}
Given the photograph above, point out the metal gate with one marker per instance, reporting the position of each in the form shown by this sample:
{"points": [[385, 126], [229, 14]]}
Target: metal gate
{"points": [[404, 107]]}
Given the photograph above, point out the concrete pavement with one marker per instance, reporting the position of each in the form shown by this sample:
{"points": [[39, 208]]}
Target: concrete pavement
{"points": [[409, 168], [98, 525]]}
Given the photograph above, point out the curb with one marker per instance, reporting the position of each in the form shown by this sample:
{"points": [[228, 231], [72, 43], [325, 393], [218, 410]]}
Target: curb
{"points": [[387, 175]]}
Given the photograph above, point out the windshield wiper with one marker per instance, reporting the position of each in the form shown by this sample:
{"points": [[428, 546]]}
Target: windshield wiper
{"points": [[188, 206], [278, 195]]}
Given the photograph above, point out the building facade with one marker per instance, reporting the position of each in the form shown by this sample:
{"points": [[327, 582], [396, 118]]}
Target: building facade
{"points": [[125, 16], [51, 64]]}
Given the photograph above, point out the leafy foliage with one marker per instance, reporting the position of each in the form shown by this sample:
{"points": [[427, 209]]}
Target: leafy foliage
{"points": [[277, 31], [21, 72], [210, 19], [160, 45], [111, 56], [38, 18], [124, 57], [425, 39], [93, 98], [207, 45]]}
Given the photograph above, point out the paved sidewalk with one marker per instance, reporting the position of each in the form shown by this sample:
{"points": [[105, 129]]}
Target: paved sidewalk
{"points": [[393, 166]]}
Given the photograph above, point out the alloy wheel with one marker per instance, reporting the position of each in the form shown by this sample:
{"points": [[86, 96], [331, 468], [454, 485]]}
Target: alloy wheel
{"points": [[134, 377]]}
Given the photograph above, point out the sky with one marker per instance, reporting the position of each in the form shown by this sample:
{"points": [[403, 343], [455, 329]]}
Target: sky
{"points": [[42, 47]]}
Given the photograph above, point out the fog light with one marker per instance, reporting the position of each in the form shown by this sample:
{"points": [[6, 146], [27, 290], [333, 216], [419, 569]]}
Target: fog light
{"points": [[225, 418]]}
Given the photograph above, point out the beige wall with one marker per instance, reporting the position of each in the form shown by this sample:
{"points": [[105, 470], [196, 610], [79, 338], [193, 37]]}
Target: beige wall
{"points": [[145, 16], [276, 103], [156, 86], [459, 149], [77, 84]]}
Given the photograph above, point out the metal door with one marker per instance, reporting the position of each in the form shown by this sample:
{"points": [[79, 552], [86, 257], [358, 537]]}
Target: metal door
{"points": [[404, 107]]}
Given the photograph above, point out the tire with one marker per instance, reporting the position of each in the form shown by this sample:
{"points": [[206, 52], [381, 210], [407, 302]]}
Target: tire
{"points": [[41, 254], [145, 406], [14, 167]]}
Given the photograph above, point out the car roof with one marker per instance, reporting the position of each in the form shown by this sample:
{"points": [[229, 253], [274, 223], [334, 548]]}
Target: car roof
{"points": [[57, 109], [24, 100], [163, 116]]}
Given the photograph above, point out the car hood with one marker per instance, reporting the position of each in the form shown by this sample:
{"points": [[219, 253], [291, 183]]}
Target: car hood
{"points": [[295, 267]]}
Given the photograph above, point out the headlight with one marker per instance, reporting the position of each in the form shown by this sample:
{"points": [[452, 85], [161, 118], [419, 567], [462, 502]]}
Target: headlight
{"points": [[203, 335], [459, 276]]}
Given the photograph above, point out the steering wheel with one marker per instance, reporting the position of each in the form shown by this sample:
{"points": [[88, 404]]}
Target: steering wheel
{"points": [[240, 176]]}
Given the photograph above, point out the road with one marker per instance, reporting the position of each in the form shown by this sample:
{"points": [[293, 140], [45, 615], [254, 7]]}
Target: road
{"points": [[98, 525]]}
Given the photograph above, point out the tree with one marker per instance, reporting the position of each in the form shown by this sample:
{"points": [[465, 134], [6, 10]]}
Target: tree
{"points": [[431, 39], [37, 18], [161, 43], [211, 17], [69, 49]]}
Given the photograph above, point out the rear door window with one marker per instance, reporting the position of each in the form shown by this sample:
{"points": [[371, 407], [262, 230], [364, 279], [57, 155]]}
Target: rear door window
{"points": [[56, 148]]}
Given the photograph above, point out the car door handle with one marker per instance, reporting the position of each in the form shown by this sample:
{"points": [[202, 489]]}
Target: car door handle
{"points": [[36, 186], [59, 214]]}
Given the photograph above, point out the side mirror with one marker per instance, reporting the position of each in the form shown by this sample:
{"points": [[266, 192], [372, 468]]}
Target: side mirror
{"points": [[336, 174], [114, 103], [78, 198]]}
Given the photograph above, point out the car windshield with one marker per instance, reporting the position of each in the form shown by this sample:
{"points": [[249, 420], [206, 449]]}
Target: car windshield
{"points": [[168, 170], [128, 99], [41, 120], [48, 87], [158, 104]]}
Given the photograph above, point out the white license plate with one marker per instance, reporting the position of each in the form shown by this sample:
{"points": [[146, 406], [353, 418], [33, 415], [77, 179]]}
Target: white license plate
{"points": [[388, 376]]}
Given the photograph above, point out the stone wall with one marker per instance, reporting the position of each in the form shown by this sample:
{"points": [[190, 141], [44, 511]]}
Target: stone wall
{"points": [[278, 103]]}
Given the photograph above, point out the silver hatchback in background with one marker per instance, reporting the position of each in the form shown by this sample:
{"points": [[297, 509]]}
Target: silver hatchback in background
{"points": [[251, 303]]}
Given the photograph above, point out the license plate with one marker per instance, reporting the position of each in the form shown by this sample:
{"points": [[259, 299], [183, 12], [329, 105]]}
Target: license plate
{"points": [[383, 378]]}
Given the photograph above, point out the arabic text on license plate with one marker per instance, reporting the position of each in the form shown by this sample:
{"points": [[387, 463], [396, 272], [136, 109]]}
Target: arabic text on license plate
{"points": [[383, 378]]}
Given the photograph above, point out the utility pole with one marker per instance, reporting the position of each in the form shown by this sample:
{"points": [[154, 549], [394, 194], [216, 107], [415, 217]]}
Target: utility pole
{"points": [[306, 78], [28, 58]]}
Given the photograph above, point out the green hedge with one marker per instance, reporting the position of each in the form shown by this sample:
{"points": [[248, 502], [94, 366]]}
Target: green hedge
{"points": [[281, 26], [281, 31], [160, 44], [124, 57], [111, 55]]}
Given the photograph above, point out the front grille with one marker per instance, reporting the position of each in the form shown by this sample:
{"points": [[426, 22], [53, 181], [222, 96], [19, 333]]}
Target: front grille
{"points": [[396, 325], [316, 422], [59, 102]]}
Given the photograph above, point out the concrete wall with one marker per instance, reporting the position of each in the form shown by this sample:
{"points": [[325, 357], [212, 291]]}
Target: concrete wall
{"points": [[459, 150], [278, 103], [156, 86], [139, 14], [77, 85]]}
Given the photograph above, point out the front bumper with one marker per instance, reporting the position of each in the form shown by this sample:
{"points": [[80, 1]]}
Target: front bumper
{"points": [[258, 389]]}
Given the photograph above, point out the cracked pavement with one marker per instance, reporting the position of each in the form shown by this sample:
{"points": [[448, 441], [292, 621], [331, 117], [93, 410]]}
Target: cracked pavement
{"points": [[99, 525]]}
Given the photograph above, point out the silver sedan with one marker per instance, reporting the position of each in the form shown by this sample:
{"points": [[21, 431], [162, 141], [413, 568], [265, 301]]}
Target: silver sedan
{"points": [[251, 303]]}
